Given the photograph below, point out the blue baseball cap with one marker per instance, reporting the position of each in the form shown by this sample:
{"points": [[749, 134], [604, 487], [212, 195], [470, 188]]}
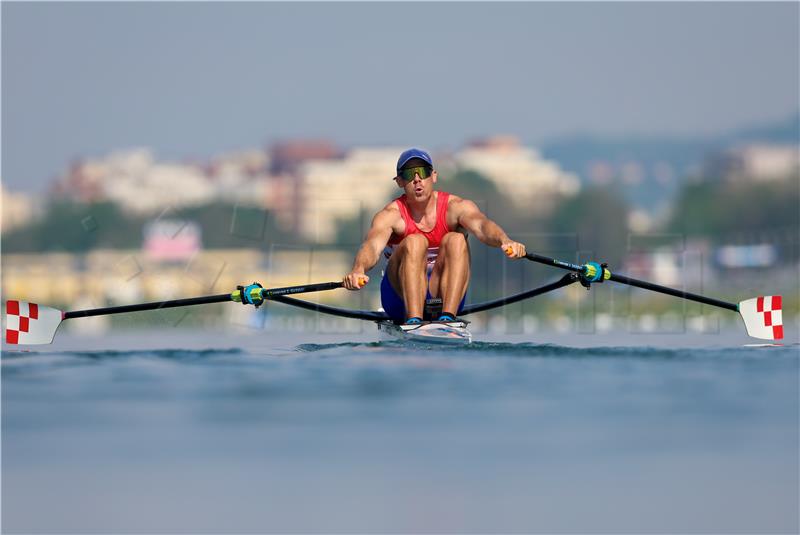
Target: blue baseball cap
{"points": [[411, 154]]}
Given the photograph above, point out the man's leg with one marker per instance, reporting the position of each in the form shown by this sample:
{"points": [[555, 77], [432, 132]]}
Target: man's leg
{"points": [[407, 272], [451, 272]]}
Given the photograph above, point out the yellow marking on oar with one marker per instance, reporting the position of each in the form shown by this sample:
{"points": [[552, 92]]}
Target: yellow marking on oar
{"points": [[255, 294]]}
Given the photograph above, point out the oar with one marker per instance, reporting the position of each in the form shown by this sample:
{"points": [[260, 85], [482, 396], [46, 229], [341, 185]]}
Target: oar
{"points": [[30, 323], [762, 315]]}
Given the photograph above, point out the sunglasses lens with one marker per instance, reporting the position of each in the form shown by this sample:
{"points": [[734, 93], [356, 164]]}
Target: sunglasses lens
{"points": [[409, 173]]}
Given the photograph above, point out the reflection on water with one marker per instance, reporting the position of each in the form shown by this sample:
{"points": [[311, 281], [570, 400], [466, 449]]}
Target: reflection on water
{"points": [[274, 433]]}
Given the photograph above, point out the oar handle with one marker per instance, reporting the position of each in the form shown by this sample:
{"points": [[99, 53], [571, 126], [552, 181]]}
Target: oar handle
{"points": [[289, 290], [546, 260], [622, 279]]}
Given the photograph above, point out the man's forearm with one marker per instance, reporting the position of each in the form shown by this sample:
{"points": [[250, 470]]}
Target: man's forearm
{"points": [[366, 258], [491, 234]]}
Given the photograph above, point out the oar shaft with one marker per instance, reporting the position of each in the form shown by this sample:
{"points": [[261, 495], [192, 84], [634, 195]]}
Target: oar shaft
{"points": [[672, 291], [266, 293], [636, 282], [221, 298]]}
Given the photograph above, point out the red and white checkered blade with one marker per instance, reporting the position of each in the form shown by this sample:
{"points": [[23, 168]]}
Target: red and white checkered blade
{"points": [[763, 317], [29, 323]]}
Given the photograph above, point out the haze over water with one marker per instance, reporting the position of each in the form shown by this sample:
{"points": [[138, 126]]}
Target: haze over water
{"points": [[188, 432]]}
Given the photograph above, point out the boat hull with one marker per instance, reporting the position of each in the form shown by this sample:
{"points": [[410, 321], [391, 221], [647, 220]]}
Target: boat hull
{"points": [[434, 332]]}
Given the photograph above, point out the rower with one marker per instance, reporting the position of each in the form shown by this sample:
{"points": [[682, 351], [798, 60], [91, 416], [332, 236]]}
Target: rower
{"points": [[423, 234]]}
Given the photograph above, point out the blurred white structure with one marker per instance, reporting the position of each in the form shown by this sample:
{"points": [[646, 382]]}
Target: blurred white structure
{"points": [[18, 209], [157, 186], [139, 184], [640, 221], [339, 189], [759, 162], [242, 177], [519, 172]]}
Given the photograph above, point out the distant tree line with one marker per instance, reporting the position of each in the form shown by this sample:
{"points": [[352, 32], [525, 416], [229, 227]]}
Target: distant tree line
{"points": [[716, 209], [78, 227], [742, 213]]}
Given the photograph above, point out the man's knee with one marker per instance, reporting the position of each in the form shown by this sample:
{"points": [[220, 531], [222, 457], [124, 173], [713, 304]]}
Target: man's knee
{"points": [[415, 245], [454, 242]]}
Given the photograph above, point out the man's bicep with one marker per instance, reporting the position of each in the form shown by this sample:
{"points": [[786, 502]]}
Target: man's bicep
{"points": [[469, 216], [381, 229]]}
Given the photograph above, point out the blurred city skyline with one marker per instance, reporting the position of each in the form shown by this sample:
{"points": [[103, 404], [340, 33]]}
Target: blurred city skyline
{"points": [[194, 80]]}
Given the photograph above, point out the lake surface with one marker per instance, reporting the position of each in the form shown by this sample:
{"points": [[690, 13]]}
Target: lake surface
{"points": [[197, 432]]}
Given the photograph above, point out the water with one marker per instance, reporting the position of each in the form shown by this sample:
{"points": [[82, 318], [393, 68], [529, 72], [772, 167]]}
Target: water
{"points": [[181, 432]]}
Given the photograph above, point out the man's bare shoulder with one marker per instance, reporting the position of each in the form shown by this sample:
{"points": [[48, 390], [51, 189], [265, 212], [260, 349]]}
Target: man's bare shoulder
{"points": [[391, 206], [388, 216], [460, 204], [389, 211]]}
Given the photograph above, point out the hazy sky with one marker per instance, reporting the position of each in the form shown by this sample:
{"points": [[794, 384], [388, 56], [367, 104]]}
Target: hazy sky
{"points": [[196, 79]]}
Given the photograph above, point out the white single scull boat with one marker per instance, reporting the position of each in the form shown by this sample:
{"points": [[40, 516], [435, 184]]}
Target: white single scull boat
{"points": [[428, 332]]}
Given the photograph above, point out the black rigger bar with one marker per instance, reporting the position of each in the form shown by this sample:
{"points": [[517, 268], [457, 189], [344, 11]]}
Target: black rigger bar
{"points": [[566, 280]]}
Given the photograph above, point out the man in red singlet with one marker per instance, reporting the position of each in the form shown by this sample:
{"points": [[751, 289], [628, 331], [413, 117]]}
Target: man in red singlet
{"points": [[423, 234]]}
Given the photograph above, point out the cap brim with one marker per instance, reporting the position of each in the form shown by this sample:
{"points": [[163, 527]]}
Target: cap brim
{"points": [[402, 163]]}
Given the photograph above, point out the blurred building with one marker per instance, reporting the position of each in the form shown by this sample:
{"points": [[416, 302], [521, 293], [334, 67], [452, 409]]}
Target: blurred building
{"points": [[282, 179], [241, 177], [759, 162], [18, 209], [334, 190], [519, 172], [285, 196], [138, 183], [289, 156]]}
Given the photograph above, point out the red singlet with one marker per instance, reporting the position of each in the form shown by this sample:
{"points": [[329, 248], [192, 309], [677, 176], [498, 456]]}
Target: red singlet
{"points": [[434, 236]]}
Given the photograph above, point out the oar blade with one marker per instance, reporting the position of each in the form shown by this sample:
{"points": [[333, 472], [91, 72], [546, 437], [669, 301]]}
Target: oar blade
{"points": [[763, 317], [31, 324]]}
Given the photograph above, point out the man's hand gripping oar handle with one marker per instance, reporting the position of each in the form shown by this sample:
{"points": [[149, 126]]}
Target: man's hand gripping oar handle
{"points": [[762, 315]]}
